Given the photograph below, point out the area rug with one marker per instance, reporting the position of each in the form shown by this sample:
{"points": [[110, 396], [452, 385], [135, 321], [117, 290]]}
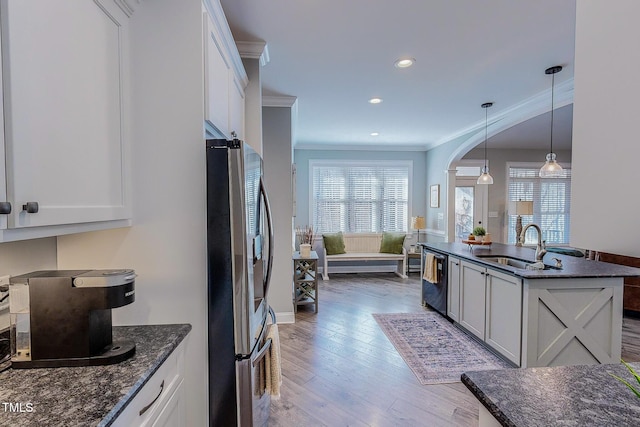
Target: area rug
{"points": [[436, 351]]}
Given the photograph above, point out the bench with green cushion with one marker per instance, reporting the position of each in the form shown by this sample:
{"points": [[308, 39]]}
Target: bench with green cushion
{"points": [[340, 247]]}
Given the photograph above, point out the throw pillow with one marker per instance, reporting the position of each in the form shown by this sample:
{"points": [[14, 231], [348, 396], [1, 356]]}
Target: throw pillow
{"points": [[333, 243], [392, 243]]}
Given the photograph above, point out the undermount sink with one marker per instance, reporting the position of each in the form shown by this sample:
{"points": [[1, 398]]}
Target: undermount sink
{"points": [[514, 262]]}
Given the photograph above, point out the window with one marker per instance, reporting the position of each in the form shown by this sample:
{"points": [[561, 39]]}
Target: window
{"points": [[360, 197], [551, 202]]}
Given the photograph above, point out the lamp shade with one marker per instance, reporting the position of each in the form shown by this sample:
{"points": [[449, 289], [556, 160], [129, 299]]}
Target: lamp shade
{"points": [[551, 168], [418, 223], [485, 178], [524, 207]]}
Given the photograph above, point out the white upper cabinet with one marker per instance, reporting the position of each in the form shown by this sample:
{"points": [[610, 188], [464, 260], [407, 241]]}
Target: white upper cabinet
{"points": [[64, 71], [216, 78], [5, 204], [236, 105], [224, 77]]}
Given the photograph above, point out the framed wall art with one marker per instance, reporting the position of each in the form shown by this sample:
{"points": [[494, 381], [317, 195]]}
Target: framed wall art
{"points": [[434, 196]]}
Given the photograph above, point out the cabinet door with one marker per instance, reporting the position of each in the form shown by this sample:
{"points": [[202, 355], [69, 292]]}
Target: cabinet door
{"points": [[453, 297], [236, 105], [3, 183], [173, 413], [503, 329], [160, 401], [64, 70], [472, 298], [216, 79]]}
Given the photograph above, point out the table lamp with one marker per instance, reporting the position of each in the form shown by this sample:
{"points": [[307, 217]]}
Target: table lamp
{"points": [[523, 207], [418, 223]]}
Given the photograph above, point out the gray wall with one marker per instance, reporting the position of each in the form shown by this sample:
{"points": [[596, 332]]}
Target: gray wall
{"points": [[437, 163], [277, 141], [302, 158]]}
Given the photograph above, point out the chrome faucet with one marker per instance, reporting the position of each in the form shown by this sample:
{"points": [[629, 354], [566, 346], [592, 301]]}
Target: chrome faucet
{"points": [[541, 248]]}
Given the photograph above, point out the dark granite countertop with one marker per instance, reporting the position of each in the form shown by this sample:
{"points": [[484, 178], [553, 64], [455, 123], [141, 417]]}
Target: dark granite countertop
{"points": [[573, 267], [584, 395], [92, 395]]}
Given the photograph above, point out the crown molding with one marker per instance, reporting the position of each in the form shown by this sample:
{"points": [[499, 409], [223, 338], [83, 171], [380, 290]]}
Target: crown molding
{"points": [[216, 13], [279, 101], [127, 6], [357, 147], [516, 114], [254, 50], [525, 110]]}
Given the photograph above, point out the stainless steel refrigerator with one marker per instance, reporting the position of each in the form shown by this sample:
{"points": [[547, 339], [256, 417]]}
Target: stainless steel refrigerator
{"points": [[239, 260]]}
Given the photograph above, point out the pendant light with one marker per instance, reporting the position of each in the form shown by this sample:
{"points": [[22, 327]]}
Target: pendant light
{"points": [[485, 178], [551, 168]]}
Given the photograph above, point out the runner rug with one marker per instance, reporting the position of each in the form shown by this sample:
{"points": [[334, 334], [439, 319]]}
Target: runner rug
{"points": [[436, 351]]}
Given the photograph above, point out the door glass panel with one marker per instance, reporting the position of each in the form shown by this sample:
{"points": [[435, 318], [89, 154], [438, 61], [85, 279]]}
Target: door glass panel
{"points": [[465, 196]]}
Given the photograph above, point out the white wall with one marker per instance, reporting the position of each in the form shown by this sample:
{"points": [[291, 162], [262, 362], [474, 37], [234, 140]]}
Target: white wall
{"points": [[605, 203], [253, 105], [167, 243], [24, 257], [277, 141]]}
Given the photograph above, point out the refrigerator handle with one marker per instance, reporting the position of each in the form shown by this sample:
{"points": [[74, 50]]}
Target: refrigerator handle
{"points": [[261, 353], [267, 206]]}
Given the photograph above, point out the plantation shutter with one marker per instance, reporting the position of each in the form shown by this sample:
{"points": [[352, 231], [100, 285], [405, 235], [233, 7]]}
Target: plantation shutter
{"points": [[551, 203], [360, 198]]}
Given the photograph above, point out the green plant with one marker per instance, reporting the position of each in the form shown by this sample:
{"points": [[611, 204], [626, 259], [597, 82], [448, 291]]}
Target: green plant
{"points": [[625, 382], [479, 231]]}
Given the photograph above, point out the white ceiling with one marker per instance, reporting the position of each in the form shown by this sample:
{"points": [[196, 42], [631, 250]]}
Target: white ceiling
{"points": [[333, 55]]}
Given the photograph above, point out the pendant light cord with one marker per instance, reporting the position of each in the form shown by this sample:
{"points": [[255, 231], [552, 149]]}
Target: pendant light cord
{"points": [[553, 78], [485, 138]]}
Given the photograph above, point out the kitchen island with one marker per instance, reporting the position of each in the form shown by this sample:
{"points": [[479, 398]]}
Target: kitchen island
{"points": [[583, 395], [568, 313], [92, 395]]}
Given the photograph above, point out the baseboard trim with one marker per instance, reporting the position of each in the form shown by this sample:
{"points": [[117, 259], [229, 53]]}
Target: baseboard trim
{"points": [[286, 317], [362, 269]]}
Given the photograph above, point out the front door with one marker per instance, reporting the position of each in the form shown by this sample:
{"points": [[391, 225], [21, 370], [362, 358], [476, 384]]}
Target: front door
{"points": [[471, 206]]}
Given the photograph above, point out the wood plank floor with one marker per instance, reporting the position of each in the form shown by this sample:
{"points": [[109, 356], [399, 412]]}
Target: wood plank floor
{"points": [[340, 369]]}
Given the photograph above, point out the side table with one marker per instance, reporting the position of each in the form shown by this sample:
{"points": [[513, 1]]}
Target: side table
{"points": [[410, 256], [305, 280]]}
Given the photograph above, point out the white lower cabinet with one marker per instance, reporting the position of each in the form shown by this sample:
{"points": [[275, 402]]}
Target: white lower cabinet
{"points": [[472, 298], [491, 308], [453, 292], [160, 402], [173, 413], [503, 317]]}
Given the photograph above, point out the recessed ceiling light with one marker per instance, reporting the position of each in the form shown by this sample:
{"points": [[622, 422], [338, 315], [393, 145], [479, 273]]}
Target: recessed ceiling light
{"points": [[404, 62], [374, 134], [375, 100]]}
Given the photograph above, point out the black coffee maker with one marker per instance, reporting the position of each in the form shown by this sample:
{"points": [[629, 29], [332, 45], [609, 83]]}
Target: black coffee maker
{"points": [[63, 317]]}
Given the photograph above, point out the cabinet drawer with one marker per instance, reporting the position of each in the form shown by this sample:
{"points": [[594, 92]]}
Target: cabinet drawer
{"points": [[154, 395]]}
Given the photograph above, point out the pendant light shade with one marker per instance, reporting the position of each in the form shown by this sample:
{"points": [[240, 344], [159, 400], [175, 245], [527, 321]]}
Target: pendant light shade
{"points": [[551, 168], [485, 178]]}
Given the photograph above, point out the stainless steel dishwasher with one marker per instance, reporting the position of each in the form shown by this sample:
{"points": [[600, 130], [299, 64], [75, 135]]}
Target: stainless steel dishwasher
{"points": [[435, 294]]}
